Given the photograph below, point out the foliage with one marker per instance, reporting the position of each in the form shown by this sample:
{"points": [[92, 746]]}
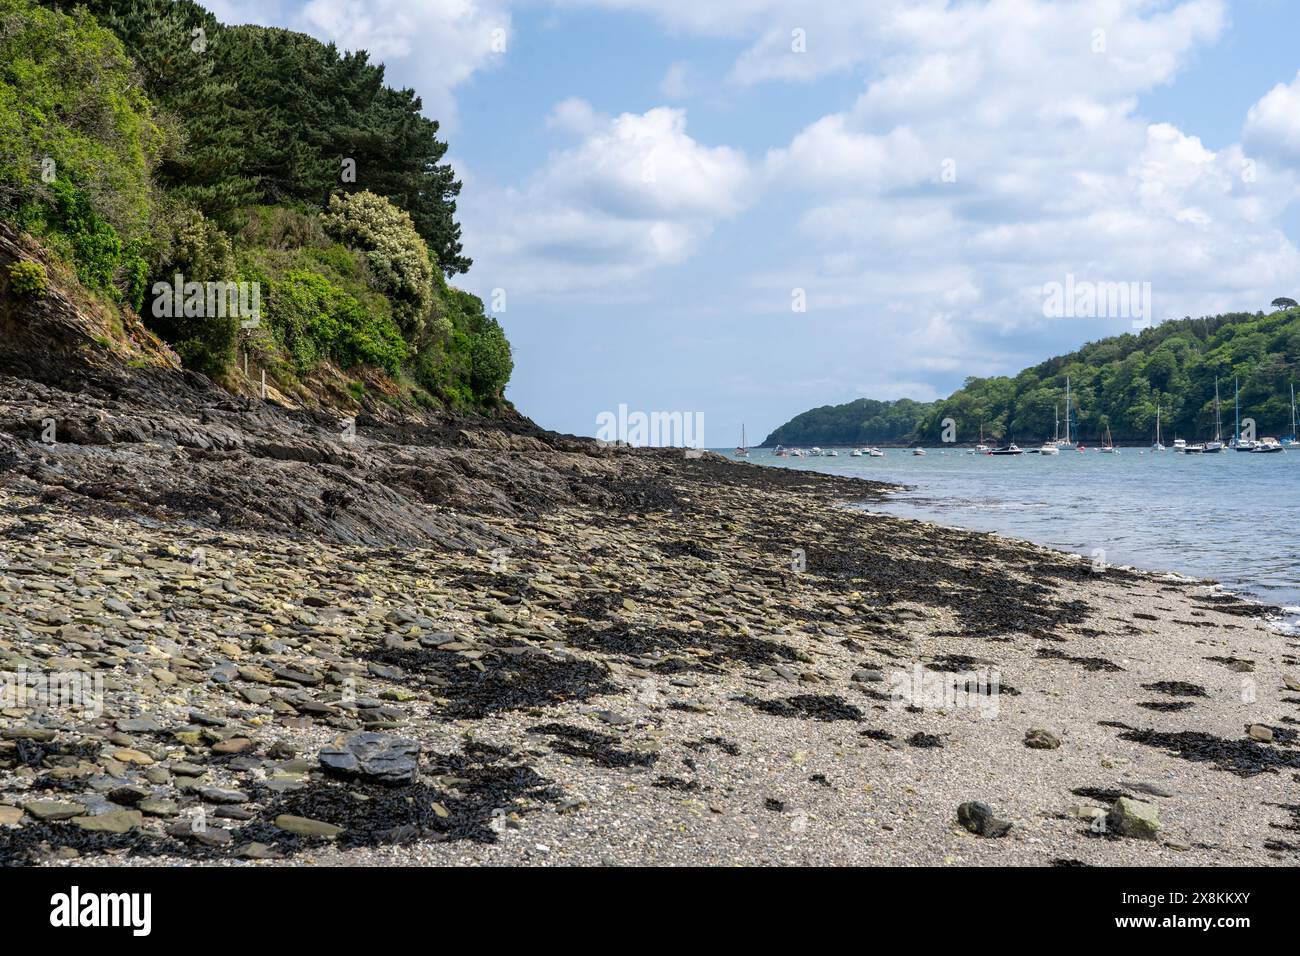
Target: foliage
{"points": [[1116, 382], [394, 250], [212, 156], [194, 247], [28, 279], [71, 111], [269, 115], [73, 229], [472, 364], [315, 319], [862, 422]]}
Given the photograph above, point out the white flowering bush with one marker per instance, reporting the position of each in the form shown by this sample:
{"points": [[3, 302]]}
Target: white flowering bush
{"points": [[397, 255]]}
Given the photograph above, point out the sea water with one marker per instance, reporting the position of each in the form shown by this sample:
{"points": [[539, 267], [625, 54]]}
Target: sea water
{"points": [[1232, 517]]}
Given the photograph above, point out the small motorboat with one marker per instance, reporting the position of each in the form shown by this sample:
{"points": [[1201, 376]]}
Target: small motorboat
{"points": [[832, 453], [918, 451], [1267, 446], [1180, 445], [1050, 448], [815, 452], [875, 453], [1010, 449], [856, 453]]}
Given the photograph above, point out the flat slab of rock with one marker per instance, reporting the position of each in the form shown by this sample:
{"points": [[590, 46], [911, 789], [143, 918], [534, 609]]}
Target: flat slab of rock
{"points": [[367, 755], [53, 809], [119, 821], [302, 826]]}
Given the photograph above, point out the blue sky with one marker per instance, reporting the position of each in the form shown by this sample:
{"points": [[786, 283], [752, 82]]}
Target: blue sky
{"points": [[650, 182]]}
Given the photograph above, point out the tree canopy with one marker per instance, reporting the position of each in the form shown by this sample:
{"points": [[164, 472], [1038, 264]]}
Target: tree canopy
{"points": [[1116, 382]]}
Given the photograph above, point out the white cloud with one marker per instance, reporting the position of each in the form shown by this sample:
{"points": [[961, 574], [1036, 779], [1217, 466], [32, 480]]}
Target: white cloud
{"points": [[635, 194], [1273, 124], [575, 116]]}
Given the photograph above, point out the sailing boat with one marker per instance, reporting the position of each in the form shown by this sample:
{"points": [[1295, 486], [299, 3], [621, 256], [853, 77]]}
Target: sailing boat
{"points": [[1292, 438], [1052, 447], [1212, 447], [1158, 446], [981, 448], [1066, 442], [1108, 448], [1236, 442], [743, 450]]}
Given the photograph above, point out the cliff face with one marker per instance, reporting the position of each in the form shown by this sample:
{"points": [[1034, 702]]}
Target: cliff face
{"points": [[64, 337], [96, 410]]}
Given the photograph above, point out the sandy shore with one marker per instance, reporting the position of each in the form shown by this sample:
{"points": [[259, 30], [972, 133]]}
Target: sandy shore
{"points": [[615, 658]]}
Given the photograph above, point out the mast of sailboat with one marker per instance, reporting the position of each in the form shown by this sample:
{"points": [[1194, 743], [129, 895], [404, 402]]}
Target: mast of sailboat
{"points": [[1157, 422], [1236, 403], [1067, 409], [1056, 432], [1293, 431], [1218, 420]]}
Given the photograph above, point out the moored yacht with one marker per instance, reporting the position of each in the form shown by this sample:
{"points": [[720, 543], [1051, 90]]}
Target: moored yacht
{"points": [[1213, 447]]}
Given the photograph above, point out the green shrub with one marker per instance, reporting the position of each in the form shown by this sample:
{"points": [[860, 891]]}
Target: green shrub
{"points": [[280, 227], [193, 246], [393, 249], [490, 361], [72, 228], [209, 346], [71, 106], [313, 320], [28, 279]]}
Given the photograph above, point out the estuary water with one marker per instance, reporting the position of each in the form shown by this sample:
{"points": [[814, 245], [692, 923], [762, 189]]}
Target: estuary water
{"points": [[1232, 517]]}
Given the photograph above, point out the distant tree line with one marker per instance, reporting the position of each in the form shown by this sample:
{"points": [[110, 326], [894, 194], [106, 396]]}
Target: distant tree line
{"points": [[1116, 382]]}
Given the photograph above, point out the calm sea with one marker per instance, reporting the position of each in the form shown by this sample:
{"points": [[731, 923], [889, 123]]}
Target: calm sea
{"points": [[1233, 517]]}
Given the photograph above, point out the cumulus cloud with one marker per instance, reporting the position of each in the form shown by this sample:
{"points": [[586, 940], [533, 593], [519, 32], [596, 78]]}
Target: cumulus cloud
{"points": [[636, 193], [1000, 147], [1273, 124]]}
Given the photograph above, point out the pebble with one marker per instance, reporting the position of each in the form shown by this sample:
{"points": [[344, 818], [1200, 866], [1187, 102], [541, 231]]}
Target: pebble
{"points": [[1039, 739], [1134, 818], [978, 818]]}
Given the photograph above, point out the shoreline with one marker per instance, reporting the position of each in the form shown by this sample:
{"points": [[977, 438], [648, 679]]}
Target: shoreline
{"points": [[603, 657]]}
